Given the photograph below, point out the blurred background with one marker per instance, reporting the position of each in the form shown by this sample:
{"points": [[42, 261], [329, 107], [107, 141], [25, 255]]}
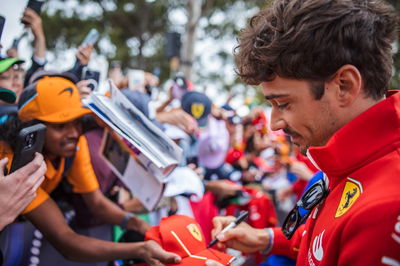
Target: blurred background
{"points": [[198, 37]]}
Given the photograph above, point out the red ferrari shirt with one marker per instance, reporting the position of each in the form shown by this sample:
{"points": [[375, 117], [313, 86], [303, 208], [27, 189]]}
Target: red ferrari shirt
{"points": [[359, 221]]}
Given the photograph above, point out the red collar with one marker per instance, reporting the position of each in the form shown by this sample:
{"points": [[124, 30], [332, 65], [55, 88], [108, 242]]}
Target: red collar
{"points": [[369, 136]]}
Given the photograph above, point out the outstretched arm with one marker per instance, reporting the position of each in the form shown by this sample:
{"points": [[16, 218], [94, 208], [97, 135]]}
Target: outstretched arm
{"points": [[110, 212], [248, 239], [49, 220], [34, 22]]}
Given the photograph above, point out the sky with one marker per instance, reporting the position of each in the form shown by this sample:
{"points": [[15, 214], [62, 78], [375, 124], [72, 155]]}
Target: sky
{"points": [[12, 11]]}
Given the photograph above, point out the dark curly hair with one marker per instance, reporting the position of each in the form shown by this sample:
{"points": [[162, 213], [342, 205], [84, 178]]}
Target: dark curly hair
{"points": [[312, 39]]}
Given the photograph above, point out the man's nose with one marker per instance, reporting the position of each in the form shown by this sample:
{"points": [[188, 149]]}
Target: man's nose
{"points": [[277, 121], [74, 130]]}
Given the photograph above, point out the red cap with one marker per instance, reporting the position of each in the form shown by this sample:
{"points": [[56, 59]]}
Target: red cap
{"points": [[182, 235]]}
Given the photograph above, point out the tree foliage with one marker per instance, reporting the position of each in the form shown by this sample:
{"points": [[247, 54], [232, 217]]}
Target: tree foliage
{"points": [[134, 30]]}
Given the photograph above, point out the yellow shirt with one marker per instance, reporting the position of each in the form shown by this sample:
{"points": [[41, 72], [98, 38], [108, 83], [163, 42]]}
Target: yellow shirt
{"points": [[81, 176]]}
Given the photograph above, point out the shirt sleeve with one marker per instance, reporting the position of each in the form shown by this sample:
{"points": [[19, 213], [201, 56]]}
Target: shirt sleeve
{"points": [[41, 196], [82, 176], [283, 246]]}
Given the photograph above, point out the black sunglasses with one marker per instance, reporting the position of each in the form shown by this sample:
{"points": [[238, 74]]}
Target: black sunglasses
{"points": [[313, 196]]}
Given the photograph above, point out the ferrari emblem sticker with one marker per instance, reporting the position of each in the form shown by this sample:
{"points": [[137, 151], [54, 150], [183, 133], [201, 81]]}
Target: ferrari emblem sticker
{"points": [[352, 190], [195, 231]]}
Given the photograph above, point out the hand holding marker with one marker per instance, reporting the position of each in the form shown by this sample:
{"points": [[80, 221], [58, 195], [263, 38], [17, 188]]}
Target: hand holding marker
{"points": [[243, 215]]}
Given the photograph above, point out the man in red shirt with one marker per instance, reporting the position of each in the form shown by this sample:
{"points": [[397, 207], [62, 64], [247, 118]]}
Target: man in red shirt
{"points": [[325, 67]]}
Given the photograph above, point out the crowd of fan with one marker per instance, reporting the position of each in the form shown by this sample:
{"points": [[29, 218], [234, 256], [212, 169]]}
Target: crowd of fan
{"points": [[241, 164]]}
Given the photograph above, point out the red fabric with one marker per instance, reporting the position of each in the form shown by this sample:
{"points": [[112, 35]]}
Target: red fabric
{"points": [[204, 211], [261, 209], [233, 155], [298, 187], [300, 157], [263, 165], [260, 123], [364, 155], [282, 246], [182, 235]]}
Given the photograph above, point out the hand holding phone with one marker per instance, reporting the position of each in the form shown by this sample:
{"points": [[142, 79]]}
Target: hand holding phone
{"points": [[91, 38], [29, 141], [92, 77], [35, 5], [179, 87], [19, 188]]}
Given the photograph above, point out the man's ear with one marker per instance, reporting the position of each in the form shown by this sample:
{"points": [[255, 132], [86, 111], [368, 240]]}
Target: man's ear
{"points": [[347, 83]]}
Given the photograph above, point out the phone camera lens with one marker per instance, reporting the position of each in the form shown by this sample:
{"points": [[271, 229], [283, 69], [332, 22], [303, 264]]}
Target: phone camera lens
{"points": [[30, 140]]}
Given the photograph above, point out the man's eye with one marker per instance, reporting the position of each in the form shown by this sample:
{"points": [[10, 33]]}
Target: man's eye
{"points": [[282, 106]]}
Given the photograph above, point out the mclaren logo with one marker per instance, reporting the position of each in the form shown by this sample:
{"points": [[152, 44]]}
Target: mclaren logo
{"points": [[70, 90], [352, 190], [195, 231], [197, 110]]}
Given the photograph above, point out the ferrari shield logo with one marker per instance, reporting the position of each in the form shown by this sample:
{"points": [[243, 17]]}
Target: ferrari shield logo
{"points": [[197, 110], [195, 231], [352, 190]]}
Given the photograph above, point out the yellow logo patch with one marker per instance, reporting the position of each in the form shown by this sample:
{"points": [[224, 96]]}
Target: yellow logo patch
{"points": [[352, 190], [195, 231], [197, 110]]}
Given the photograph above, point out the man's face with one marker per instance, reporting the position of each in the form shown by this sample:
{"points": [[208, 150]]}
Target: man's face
{"points": [[6, 79], [18, 81], [62, 138], [295, 110]]}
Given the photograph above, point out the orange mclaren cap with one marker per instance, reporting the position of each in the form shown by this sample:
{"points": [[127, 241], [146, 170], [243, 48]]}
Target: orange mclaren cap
{"points": [[182, 235], [51, 99]]}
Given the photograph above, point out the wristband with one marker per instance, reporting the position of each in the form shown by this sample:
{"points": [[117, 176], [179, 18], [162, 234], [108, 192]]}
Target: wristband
{"points": [[124, 221], [40, 61], [268, 248]]}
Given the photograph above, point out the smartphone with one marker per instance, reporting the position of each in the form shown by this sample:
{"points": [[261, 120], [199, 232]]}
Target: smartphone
{"points": [[91, 38], [35, 5], [29, 141], [136, 79], [179, 87], [2, 21], [93, 77]]}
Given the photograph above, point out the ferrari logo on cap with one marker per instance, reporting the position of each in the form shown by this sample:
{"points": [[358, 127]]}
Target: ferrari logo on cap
{"points": [[195, 231], [352, 190], [197, 110]]}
